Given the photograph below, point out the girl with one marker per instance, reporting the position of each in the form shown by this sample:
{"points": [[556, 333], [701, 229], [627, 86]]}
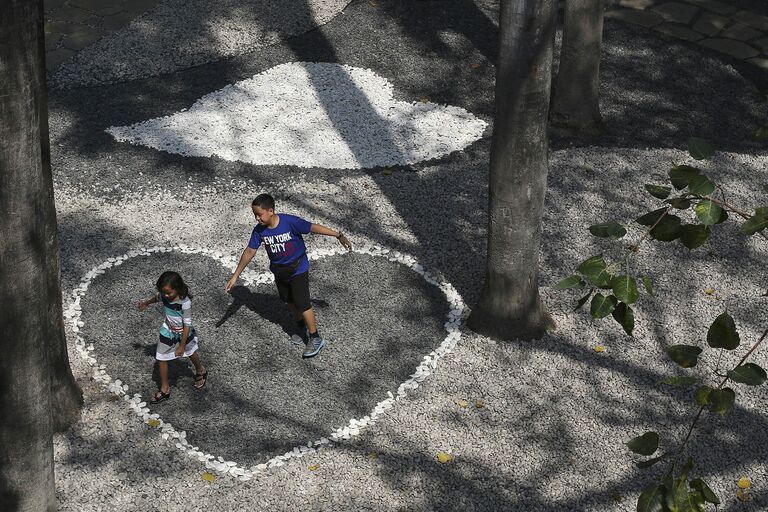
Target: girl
{"points": [[177, 336]]}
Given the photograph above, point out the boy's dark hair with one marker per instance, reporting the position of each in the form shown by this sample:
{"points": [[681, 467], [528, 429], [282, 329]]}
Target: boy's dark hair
{"points": [[176, 283], [264, 201]]}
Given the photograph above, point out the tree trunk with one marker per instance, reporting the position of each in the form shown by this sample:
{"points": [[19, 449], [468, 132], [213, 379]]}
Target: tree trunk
{"points": [[66, 396], [575, 101], [510, 307], [30, 316]]}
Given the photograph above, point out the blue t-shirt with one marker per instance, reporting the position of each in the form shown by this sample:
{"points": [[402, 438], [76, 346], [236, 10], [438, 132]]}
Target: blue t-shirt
{"points": [[284, 243]]}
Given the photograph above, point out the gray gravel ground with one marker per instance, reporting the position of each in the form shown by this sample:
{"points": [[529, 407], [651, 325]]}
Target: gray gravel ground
{"points": [[550, 435], [379, 319]]}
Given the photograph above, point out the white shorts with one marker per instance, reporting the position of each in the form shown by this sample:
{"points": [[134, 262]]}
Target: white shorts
{"points": [[168, 352]]}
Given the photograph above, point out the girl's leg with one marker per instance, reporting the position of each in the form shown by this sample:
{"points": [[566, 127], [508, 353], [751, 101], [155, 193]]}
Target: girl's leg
{"points": [[162, 367], [200, 374], [199, 368]]}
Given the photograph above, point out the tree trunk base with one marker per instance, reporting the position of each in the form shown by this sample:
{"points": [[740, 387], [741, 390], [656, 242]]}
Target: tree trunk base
{"points": [[66, 402], [590, 129], [504, 328]]}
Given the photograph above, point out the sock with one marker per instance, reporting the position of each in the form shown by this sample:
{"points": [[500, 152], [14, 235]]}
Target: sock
{"points": [[315, 334]]}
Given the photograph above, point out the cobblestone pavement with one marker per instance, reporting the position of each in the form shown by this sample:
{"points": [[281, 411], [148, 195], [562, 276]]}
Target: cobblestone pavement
{"points": [[718, 26], [71, 25]]}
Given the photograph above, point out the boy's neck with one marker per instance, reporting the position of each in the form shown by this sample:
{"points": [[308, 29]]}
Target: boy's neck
{"points": [[274, 221]]}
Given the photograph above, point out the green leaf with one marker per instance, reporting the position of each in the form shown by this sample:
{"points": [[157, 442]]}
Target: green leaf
{"points": [[650, 462], [722, 333], [625, 289], [594, 269], [658, 191], [723, 216], [688, 501], [702, 395], [758, 222], [650, 218], [679, 203], [652, 499], [694, 235], [573, 281], [686, 469], [700, 149], [722, 400], [601, 305], [668, 229], [749, 374], [645, 444], [681, 175], [708, 212], [706, 493], [701, 185], [680, 381], [647, 284], [684, 355], [583, 301], [760, 133], [624, 315], [608, 230]]}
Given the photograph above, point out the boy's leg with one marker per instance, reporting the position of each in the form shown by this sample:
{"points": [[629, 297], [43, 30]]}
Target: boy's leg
{"points": [[309, 319]]}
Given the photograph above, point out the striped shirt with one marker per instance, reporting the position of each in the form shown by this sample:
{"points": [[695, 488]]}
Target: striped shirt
{"points": [[178, 314]]}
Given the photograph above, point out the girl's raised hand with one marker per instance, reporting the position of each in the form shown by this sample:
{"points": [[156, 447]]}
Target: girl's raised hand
{"points": [[142, 305]]}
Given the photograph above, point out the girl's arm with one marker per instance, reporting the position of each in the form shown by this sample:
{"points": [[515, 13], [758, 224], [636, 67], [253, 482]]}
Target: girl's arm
{"points": [[183, 342], [322, 230], [186, 319], [144, 303], [245, 259]]}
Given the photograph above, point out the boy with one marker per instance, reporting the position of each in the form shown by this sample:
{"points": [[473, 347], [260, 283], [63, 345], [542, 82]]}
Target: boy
{"points": [[282, 238]]}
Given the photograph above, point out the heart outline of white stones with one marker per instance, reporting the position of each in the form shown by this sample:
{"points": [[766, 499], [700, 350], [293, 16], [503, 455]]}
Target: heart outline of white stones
{"points": [[73, 315]]}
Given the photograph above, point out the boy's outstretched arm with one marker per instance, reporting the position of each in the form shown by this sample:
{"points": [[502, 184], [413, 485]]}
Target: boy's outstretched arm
{"points": [[245, 259], [322, 230]]}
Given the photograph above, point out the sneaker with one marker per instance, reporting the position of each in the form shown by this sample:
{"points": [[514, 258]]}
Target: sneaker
{"points": [[301, 335], [313, 346]]}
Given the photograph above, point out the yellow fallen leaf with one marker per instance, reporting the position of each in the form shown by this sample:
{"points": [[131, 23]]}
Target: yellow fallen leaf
{"points": [[373, 455], [153, 423], [209, 477], [744, 483], [709, 291], [374, 3], [617, 496], [462, 403], [443, 457], [742, 495], [480, 403], [476, 66], [314, 467], [599, 349], [387, 172], [424, 99]]}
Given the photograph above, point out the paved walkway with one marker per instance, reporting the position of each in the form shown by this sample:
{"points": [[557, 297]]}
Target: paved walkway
{"points": [[71, 25], [712, 24]]}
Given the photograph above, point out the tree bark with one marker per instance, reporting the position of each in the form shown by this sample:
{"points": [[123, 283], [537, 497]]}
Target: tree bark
{"points": [[576, 98], [510, 306], [30, 294]]}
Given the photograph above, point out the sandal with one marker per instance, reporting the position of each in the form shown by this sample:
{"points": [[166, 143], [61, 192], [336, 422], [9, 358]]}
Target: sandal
{"points": [[160, 396], [201, 377]]}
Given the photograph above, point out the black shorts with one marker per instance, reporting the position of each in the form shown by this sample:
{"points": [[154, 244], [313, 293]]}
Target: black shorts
{"points": [[294, 290]]}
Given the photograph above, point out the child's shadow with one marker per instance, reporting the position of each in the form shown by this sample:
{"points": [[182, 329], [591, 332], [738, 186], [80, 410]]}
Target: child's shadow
{"points": [[266, 305], [176, 368]]}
